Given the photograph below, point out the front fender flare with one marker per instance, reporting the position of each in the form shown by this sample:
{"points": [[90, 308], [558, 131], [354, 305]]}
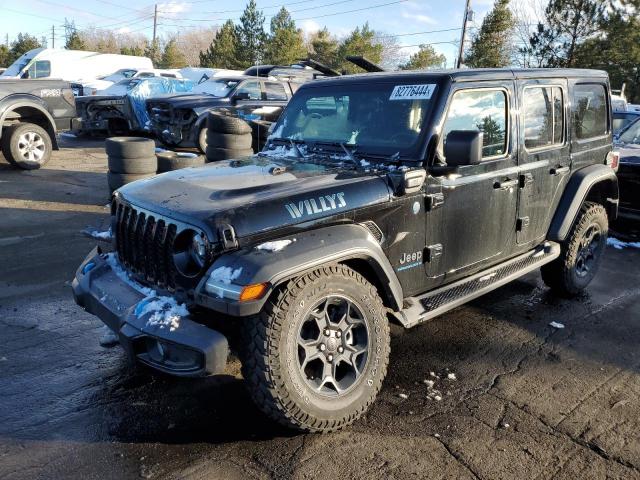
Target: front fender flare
{"points": [[577, 191], [309, 251]]}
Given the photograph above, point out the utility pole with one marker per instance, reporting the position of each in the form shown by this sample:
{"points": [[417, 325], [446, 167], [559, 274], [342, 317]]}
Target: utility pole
{"points": [[53, 36], [463, 35], [7, 40], [155, 24]]}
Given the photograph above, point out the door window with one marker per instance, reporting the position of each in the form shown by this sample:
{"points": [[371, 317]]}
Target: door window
{"points": [[252, 88], [40, 69], [589, 111], [543, 117], [481, 110], [275, 91]]}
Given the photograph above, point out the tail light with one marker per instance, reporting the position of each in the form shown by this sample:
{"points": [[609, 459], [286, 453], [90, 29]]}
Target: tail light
{"points": [[613, 159]]}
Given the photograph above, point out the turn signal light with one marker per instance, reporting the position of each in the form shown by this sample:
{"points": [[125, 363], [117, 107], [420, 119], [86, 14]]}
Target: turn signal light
{"points": [[253, 292]]}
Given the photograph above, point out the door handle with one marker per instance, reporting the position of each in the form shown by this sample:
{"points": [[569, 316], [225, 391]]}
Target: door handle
{"points": [[506, 184], [559, 170]]}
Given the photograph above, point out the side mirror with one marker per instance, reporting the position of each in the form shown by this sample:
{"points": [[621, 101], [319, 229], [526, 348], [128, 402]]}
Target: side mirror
{"points": [[241, 96], [463, 147]]}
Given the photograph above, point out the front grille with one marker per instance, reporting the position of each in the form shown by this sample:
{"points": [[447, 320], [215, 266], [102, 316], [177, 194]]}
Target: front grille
{"points": [[629, 183], [145, 245]]}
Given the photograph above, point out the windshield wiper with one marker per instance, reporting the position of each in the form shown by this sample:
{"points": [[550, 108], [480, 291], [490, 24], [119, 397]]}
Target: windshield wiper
{"points": [[343, 147]]}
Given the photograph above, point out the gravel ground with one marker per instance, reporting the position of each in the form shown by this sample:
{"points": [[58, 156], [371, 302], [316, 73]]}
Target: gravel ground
{"points": [[526, 400]]}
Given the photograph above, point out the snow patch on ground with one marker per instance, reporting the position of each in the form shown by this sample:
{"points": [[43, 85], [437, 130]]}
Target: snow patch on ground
{"points": [[225, 275], [619, 244], [165, 312], [557, 325], [108, 338], [275, 246], [452, 376]]}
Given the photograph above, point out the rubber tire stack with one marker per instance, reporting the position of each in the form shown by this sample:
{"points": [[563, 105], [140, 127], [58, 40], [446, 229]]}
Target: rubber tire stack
{"points": [[227, 137], [130, 159], [169, 161], [259, 133]]}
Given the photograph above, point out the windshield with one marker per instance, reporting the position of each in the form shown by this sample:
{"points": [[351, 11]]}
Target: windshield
{"points": [[217, 88], [375, 118], [16, 67], [622, 120], [119, 75], [631, 134]]}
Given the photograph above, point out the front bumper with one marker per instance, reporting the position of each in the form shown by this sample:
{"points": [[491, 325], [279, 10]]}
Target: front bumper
{"points": [[190, 350]]}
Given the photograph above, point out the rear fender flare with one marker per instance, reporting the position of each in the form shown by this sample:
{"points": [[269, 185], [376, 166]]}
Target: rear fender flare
{"points": [[310, 250], [583, 184], [14, 102]]}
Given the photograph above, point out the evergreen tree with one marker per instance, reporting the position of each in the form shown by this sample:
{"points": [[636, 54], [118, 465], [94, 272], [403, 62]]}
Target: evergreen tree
{"points": [[172, 57], [222, 53], [491, 47], [5, 56], [325, 48], [152, 51], [285, 44], [75, 42], [135, 50], [568, 23], [22, 44], [251, 36], [424, 58], [359, 42]]}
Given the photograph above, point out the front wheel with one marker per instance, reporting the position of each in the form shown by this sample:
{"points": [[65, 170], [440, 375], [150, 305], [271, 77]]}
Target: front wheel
{"points": [[315, 358], [581, 252]]}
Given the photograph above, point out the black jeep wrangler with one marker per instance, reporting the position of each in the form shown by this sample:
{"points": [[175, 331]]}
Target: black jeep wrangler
{"points": [[179, 119], [379, 198]]}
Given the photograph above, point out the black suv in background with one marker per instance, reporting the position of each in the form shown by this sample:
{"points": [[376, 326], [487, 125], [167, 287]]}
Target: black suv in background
{"points": [[179, 120], [385, 197]]}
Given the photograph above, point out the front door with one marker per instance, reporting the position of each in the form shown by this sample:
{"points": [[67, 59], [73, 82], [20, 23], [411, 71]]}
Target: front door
{"points": [[544, 155], [474, 225]]}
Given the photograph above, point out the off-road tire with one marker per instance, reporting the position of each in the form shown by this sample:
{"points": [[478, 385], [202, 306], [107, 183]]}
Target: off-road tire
{"points": [[270, 366], [133, 165], [203, 139], [227, 124], [170, 161], [130, 147], [11, 139], [229, 141], [216, 153], [561, 275], [117, 180]]}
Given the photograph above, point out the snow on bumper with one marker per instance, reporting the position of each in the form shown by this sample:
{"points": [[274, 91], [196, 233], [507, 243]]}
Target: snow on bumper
{"points": [[180, 347]]}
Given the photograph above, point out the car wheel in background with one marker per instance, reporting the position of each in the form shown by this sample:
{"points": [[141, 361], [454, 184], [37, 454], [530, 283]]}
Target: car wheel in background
{"points": [[26, 145], [227, 124], [133, 165], [202, 139], [169, 161], [230, 141], [130, 147]]}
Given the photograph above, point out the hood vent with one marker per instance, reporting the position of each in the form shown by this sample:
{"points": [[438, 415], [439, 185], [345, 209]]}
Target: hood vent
{"points": [[374, 230]]}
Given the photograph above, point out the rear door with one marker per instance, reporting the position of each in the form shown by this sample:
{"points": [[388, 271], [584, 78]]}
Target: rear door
{"points": [[544, 156]]}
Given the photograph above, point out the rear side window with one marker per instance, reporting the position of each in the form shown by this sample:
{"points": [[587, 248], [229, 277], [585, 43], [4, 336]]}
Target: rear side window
{"points": [[275, 91], [589, 111], [543, 117], [484, 110], [40, 69]]}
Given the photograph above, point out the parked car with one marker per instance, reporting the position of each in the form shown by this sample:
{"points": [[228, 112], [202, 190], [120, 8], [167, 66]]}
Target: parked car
{"points": [[98, 86], [622, 119], [386, 197], [121, 109], [31, 113], [201, 74], [179, 120], [71, 65], [628, 144]]}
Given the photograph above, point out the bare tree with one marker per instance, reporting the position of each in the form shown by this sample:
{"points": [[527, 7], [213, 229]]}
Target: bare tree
{"points": [[193, 41], [528, 14]]}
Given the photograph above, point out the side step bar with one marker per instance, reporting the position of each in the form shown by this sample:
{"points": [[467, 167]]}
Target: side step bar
{"points": [[436, 302]]}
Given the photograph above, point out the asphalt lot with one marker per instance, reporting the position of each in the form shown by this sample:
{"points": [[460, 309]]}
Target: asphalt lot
{"points": [[529, 400]]}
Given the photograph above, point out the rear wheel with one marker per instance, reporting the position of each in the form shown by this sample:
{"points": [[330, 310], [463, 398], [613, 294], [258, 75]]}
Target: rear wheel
{"points": [[316, 357], [581, 252], [27, 146]]}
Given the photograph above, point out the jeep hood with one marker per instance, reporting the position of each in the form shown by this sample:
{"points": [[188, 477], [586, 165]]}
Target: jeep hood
{"points": [[257, 194]]}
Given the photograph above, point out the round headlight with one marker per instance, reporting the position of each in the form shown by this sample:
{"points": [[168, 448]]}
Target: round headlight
{"points": [[198, 249]]}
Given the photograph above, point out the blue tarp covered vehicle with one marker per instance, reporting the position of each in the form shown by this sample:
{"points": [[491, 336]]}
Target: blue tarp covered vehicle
{"points": [[121, 109]]}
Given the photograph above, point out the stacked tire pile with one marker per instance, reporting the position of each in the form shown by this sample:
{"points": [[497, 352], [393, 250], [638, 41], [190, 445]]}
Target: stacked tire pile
{"points": [[259, 133], [169, 161], [227, 137], [130, 159]]}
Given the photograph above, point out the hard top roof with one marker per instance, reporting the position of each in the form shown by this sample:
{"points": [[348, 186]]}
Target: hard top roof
{"points": [[462, 75]]}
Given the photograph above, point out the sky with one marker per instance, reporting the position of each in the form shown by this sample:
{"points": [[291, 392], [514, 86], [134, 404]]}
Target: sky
{"points": [[405, 18]]}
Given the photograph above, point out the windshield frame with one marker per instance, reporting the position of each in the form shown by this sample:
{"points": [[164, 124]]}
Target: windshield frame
{"points": [[414, 154], [635, 123]]}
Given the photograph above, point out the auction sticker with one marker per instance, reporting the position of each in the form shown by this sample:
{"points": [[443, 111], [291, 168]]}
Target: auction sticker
{"points": [[413, 92]]}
